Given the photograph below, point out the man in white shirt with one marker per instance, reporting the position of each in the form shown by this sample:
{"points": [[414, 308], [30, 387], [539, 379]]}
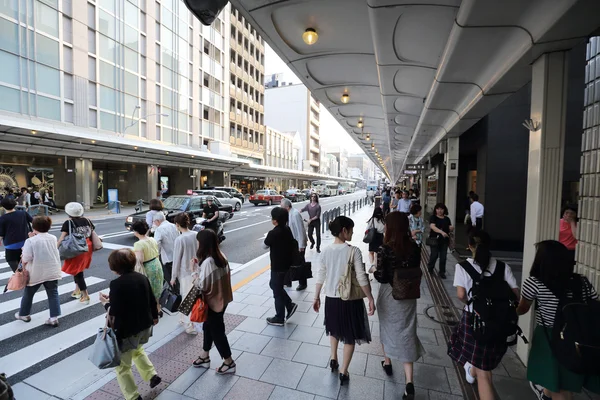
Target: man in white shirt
{"points": [[404, 203], [296, 224], [165, 235], [476, 212]]}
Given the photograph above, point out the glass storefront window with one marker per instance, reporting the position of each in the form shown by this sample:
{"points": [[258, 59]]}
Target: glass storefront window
{"points": [[46, 19], [48, 108]]}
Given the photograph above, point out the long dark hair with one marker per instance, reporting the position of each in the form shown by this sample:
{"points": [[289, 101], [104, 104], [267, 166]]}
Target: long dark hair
{"points": [[553, 265], [480, 243], [397, 233], [316, 197], [208, 246], [442, 206], [377, 214], [339, 223]]}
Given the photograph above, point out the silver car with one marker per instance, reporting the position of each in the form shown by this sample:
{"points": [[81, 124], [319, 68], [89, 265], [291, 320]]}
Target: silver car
{"points": [[223, 197]]}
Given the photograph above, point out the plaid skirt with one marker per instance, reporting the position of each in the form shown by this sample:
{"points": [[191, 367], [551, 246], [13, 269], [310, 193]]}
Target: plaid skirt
{"points": [[463, 347]]}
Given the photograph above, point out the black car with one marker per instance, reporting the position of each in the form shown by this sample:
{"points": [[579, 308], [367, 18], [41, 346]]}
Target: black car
{"points": [[295, 195], [232, 192], [175, 205]]}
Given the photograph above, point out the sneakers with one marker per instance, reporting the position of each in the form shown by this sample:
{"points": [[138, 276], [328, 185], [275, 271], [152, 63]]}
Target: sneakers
{"points": [[52, 322], [470, 378], [155, 381], [291, 311], [190, 330], [538, 390], [25, 318], [275, 321]]}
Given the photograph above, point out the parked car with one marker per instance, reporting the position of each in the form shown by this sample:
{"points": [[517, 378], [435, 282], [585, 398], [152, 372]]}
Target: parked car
{"points": [[175, 205], [223, 197], [295, 195], [266, 196], [307, 193], [232, 191]]}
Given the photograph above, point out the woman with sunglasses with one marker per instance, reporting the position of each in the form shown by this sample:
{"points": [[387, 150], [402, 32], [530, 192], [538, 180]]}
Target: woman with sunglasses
{"points": [[314, 222]]}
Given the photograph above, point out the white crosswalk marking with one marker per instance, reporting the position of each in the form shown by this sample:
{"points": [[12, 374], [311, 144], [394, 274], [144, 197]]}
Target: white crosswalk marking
{"points": [[9, 273]]}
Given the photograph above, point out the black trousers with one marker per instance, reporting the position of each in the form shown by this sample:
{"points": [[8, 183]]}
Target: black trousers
{"points": [[312, 226], [441, 251], [12, 258], [80, 281], [168, 273], [282, 300], [301, 282], [214, 332]]}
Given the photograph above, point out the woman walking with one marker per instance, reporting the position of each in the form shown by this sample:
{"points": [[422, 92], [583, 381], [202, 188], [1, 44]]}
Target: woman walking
{"points": [[417, 226], [215, 282], [146, 251], [42, 261], [132, 308], [156, 205], [477, 358], [75, 266], [184, 251], [376, 222], [552, 279], [14, 228], [568, 229], [314, 220], [398, 318], [345, 320], [440, 226]]}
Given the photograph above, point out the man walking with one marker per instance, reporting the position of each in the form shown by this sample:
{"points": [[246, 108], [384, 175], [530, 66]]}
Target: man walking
{"points": [[476, 212], [14, 230], [296, 224], [165, 235]]}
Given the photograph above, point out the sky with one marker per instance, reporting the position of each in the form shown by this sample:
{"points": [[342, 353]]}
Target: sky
{"points": [[332, 133]]}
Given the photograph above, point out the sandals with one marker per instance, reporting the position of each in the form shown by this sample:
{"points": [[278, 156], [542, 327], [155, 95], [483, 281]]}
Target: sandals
{"points": [[387, 368], [226, 368], [202, 362]]}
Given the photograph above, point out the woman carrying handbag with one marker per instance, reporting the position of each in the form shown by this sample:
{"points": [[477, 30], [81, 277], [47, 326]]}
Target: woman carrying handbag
{"points": [[346, 283]]}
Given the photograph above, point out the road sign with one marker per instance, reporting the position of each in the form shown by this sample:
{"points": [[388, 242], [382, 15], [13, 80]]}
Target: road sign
{"points": [[416, 167]]}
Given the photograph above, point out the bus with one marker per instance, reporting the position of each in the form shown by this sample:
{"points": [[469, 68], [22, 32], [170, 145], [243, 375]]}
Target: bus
{"points": [[346, 187], [325, 188], [372, 185]]}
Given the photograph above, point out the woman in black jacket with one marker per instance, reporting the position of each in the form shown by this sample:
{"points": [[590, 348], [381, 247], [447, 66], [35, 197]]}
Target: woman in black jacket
{"points": [[132, 311]]}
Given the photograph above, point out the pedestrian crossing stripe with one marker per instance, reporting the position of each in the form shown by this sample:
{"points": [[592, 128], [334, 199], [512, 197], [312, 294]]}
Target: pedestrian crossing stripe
{"points": [[18, 327], [9, 273], [14, 304]]}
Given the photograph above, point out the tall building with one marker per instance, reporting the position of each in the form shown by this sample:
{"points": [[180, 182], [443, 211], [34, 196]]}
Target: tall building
{"points": [[341, 155], [364, 164], [246, 90], [131, 81], [329, 165], [292, 108], [279, 150]]}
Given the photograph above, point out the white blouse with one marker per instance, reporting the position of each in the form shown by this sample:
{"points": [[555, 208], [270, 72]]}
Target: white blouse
{"points": [[334, 261], [43, 261]]}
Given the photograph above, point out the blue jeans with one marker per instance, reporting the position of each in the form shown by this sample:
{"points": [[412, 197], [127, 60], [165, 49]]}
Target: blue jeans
{"points": [[53, 300], [282, 299]]}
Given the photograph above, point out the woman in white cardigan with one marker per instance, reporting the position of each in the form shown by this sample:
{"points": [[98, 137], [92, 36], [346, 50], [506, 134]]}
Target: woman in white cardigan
{"points": [[184, 251], [41, 259]]}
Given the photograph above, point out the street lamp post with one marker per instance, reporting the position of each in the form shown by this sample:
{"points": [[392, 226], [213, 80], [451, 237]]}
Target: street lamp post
{"points": [[133, 123]]}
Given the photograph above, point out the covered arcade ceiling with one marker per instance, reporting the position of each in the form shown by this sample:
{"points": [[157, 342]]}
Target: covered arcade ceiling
{"points": [[416, 71]]}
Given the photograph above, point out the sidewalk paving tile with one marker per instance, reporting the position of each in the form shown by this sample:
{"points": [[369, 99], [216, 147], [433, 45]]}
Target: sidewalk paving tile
{"points": [[211, 386], [251, 365], [358, 364], [239, 296], [171, 370], [24, 391], [251, 342], [431, 377], [433, 395], [281, 348], [252, 325], [320, 381], [427, 336], [254, 299], [437, 355], [235, 308], [375, 370], [313, 354], [254, 311], [170, 395], [281, 393], [306, 319], [100, 395], [284, 373], [361, 387], [185, 380], [394, 391], [249, 389], [257, 290], [282, 332], [304, 306], [307, 334]]}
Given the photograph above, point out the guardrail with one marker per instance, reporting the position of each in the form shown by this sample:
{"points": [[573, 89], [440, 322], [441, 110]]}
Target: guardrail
{"points": [[347, 210]]}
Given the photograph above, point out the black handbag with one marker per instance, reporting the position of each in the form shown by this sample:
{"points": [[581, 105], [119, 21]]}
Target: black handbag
{"points": [[370, 233], [169, 299], [303, 271], [187, 303], [432, 241]]}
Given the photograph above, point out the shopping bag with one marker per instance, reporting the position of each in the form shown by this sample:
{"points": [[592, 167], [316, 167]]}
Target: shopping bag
{"points": [[96, 241], [105, 351], [169, 300], [188, 303], [18, 280], [72, 245], [139, 268], [199, 312]]}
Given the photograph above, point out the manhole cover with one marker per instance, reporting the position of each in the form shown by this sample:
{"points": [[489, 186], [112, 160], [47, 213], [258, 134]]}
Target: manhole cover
{"points": [[448, 315]]}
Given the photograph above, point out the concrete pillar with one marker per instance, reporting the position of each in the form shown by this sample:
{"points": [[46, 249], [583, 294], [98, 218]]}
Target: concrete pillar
{"points": [[451, 186], [197, 180], [142, 182], [83, 182], [544, 173], [151, 186], [423, 189]]}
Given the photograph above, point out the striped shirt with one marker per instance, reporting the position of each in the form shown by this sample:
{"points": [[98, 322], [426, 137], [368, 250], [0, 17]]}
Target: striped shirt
{"points": [[547, 302]]}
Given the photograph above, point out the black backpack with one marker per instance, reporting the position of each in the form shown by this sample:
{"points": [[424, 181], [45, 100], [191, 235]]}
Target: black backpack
{"points": [[575, 338], [495, 318]]}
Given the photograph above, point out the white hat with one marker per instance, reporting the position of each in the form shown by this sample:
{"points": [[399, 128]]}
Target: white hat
{"points": [[74, 209]]}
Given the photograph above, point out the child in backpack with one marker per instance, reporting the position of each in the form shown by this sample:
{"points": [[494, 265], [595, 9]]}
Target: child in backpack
{"points": [[478, 359], [551, 275]]}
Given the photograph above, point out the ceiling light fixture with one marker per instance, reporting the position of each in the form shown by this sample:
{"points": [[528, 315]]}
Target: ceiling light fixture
{"points": [[372, 145], [310, 36], [33, 132], [345, 98], [93, 141], [368, 136], [360, 123], [135, 147]]}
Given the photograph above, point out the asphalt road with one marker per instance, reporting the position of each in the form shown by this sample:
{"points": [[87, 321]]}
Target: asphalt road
{"points": [[244, 233]]}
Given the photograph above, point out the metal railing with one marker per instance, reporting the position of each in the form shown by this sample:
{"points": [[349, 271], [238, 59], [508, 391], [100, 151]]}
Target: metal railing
{"points": [[346, 210]]}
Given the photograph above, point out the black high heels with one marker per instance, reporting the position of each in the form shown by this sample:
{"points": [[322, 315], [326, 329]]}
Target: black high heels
{"points": [[344, 378], [334, 365]]}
